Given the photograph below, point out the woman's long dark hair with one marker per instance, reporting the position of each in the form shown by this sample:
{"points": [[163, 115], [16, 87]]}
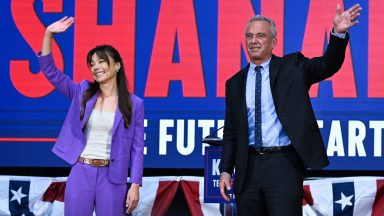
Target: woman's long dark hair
{"points": [[124, 101]]}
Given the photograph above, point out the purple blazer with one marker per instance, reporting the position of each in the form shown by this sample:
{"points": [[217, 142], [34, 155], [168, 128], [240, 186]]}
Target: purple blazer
{"points": [[127, 143]]}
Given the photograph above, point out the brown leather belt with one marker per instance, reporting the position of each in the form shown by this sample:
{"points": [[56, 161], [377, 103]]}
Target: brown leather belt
{"points": [[94, 162], [270, 150]]}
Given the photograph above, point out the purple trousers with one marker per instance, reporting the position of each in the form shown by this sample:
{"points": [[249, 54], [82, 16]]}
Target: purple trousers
{"points": [[88, 189]]}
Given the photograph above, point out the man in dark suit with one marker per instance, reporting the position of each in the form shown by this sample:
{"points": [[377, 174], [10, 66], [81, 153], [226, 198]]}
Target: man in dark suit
{"points": [[271, 134]]}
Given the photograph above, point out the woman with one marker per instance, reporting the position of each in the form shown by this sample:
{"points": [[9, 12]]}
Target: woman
{"points": [[103, 133]]}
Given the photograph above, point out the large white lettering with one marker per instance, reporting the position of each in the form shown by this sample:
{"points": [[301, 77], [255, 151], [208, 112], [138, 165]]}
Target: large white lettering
{"points": [[181, 148], [164, 137], [352, 138], [377, 126], [185, 135], [335, 141], [356, 136]]}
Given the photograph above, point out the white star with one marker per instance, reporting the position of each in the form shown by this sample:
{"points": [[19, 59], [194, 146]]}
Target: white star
{"points": [[17, 195], [344, 201]]}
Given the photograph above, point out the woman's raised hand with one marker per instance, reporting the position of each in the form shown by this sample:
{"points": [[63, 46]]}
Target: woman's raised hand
{"points": [[56, 27], [61, 25]]}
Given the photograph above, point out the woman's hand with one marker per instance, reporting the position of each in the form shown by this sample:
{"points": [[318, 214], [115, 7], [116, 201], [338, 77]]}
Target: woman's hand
{"points": [[61, 25], [56, 27], [132, 197]]}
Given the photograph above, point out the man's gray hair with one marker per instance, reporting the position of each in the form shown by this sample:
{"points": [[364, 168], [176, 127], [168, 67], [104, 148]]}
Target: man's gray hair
{"points": [[265, 19]]}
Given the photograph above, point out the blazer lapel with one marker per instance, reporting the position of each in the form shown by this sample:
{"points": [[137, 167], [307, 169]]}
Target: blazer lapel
{"points": [[88, 108], [117, 120]]}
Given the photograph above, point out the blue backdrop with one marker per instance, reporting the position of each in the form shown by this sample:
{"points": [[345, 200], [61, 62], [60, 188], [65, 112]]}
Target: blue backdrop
{"points": [[352, 126]]}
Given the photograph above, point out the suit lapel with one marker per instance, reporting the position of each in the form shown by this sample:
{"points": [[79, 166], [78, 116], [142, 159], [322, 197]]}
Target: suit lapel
{"points": [[89, 107], [273, 71], [243, 82]]}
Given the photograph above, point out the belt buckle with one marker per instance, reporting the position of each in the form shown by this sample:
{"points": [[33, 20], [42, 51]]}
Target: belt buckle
{"points": [[97, 162]]}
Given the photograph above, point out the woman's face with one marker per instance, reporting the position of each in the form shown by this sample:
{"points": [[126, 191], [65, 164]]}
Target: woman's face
{"points": [[101, 71]]}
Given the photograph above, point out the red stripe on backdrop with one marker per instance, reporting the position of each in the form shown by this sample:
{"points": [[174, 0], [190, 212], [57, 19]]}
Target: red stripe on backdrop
{"points": [[54, 192], [164, 196], [375, 44], [26, 139], [191, 194], [378, 205], [307, 199]]}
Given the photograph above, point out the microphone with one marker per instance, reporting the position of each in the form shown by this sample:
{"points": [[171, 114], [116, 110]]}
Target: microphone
{"points": [[213, 139]]}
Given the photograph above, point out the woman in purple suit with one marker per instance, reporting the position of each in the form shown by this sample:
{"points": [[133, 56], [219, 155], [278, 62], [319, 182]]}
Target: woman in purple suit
{"points": [[102, 135]]}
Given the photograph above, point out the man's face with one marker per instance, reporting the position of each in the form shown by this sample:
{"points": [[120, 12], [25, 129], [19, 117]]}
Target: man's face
{"points": [[259, 41]]}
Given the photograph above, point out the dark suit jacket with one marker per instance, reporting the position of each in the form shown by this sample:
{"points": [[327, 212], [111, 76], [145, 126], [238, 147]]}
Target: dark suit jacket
{"points": [[291, 77]]}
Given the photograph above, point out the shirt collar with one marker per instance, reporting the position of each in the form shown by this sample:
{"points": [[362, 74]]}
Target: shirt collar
{"points": [[265, 65]]}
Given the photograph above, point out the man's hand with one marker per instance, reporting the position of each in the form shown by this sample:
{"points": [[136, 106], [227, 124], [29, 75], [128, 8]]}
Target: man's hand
{"points": [[345, 20], [225, 185]]}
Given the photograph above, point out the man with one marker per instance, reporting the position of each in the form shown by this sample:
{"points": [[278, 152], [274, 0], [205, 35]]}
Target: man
{"points": [[271, 134]]}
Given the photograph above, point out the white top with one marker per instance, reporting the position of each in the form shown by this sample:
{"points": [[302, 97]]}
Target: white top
{"points": [[98, 132]]}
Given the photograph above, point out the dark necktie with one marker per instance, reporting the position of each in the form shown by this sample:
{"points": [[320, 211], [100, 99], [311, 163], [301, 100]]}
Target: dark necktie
{"points": [[258, 134]]}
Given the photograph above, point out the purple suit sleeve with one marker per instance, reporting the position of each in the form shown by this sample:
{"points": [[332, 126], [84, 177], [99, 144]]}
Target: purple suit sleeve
{"points": [[137, 154], [61, 81]]}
